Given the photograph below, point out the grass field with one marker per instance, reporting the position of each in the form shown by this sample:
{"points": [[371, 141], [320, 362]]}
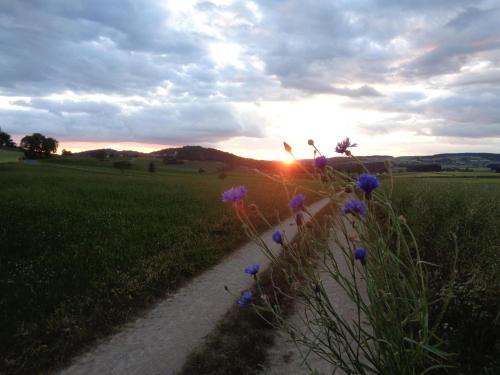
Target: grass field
{"points": [[439, 209], [9, 156], [464, 175], [85, 246]]}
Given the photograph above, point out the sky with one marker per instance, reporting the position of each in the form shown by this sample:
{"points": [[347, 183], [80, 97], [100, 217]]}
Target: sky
{"points": [[399, 77]]}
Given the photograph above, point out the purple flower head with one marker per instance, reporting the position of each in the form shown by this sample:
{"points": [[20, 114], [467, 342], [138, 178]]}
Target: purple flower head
{"points": [[360, 254], [355, 207], [367, 183], [253, 269], [297, 202], [320, 162], [235, 194], [278, 237], [246, 298], [342, 147]]}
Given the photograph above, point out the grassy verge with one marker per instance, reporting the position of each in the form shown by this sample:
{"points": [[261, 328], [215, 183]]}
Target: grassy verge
{"points": [[438, 211], [84, 250], [241, 340]]}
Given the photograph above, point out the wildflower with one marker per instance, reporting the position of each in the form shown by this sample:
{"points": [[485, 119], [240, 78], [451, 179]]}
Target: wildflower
{"points": [[288, 148], [320, 162], [278, 237], [253, 269], [367, 183], [235, 194], [310, 142], [342, 147], [246, 298], [297, 202], [360, 254], [355, 207]]}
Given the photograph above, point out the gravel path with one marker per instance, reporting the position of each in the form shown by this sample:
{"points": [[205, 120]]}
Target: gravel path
{"points": [[159, 342], [285, 357]]}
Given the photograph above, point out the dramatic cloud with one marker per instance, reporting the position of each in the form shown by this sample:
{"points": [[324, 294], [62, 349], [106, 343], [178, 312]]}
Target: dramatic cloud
{"points": [[188, 71]]}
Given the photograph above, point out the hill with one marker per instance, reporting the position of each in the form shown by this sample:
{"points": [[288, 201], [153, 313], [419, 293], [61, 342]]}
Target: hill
{"points": [[106, 153], [375, 163], [198, 153]]}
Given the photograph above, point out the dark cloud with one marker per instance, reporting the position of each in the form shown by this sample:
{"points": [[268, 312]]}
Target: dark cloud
{"points": [[167, 123]]}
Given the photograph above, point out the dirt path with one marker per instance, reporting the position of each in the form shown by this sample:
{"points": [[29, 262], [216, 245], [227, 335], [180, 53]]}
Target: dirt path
{"points": [[285, 357], [159, 342]]}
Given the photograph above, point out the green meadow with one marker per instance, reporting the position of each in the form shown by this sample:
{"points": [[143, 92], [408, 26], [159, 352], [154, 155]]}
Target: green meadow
{"points": [[9, 156], [86, 246]]}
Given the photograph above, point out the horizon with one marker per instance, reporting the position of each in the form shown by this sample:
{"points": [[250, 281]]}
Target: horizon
{"points": [[397, 78], [138, 147]]}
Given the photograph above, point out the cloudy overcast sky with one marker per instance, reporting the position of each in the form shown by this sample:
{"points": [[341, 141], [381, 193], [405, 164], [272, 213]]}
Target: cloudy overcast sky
{"points": [[397, 76]]}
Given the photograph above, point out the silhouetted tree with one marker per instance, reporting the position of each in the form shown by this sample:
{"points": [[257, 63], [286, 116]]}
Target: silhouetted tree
{"points": [[6, 140], [66, 152], [37, 145], [152, 167]]}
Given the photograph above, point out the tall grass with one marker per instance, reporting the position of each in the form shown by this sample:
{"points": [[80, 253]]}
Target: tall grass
{"points": [[371, 254], [426, 290], [466, 214]]}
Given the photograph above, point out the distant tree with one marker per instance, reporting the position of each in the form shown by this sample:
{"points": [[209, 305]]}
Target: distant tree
{"points": [[201, 171], [37, 145], [152, 167], [49, 146], [6, 140], [222, 175], [66, 152], [122, 165]]}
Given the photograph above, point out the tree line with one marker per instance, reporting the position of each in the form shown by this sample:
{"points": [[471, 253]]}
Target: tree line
{"points": [[34, 146]]}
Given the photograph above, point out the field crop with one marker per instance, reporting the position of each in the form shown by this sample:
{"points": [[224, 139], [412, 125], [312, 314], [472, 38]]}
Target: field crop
{"points": [[85, 246], [439, 209]]}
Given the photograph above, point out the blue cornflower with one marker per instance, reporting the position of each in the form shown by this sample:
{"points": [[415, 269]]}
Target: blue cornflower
{"points": [[367, 183], [320, 162], [297, 202], [253, 269], [246, 298], [278, 237], [355, 207], [342, 147], [360, 254], [235, 194]]}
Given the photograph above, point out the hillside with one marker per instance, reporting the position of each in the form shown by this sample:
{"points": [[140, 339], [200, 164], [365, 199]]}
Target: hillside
{"points": [[104, 153], [376, 163]]}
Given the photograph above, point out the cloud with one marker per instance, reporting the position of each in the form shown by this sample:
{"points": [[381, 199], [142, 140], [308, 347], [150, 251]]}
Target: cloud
{"points": [[156, 71], [469, 112], [170, 124]]}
